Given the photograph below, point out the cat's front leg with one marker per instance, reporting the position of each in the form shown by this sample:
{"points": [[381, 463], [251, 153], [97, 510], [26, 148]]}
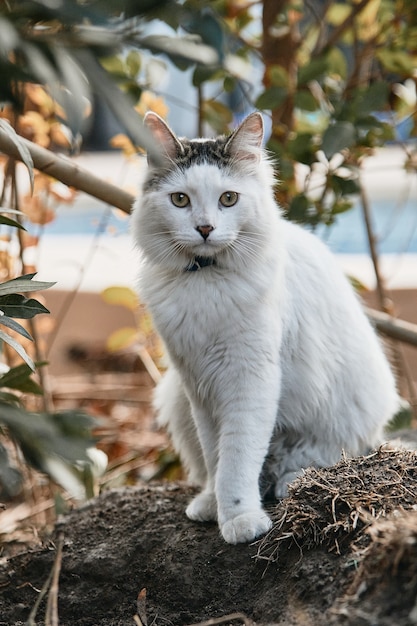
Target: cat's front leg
{"points": [[244, 443], [203, 507]]}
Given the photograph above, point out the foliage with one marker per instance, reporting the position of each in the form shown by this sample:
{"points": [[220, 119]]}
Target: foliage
{"points": [[59, 45]]}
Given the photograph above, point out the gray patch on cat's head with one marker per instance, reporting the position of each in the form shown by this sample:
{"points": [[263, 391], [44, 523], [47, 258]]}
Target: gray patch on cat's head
{"points": [[192, 152]]}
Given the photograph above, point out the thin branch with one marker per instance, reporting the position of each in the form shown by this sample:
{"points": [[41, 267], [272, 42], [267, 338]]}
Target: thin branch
{"points": [[345, 25], [226, 619], [69, 173]]}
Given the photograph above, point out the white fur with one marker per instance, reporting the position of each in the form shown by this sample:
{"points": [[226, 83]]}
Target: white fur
{"points": [[273, 366]]}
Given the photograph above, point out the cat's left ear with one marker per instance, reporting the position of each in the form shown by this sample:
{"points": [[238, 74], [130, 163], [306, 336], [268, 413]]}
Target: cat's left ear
{"points": [[245, 143]]}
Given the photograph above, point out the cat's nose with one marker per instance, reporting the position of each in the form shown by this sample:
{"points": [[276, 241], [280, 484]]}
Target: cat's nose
{"points": [[205, 230]]}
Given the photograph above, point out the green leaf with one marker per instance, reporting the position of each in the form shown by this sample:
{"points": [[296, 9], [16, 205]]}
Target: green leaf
{"points": [[229, 84], [278, 76], [346, 186], [305, 100], [372, 99], [13, 325], [204, 73], [337, 137], [16, 305], [397, 61], [23, 284], [337, 63], [301, 148], [312, 70], [402, 419], [19, 349], [299, 206], [9, 222], [271, 98], [19, 378]]}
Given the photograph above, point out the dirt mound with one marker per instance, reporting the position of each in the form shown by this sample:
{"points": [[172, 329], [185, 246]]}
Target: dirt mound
{"points": [[343, 550]]}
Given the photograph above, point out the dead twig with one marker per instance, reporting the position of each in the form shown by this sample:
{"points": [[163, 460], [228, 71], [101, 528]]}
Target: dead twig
{"points": [[226, 619], [51, 584]]}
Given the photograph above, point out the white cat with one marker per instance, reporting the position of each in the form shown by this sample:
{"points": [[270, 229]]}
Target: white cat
{"points": [[273, 366]]}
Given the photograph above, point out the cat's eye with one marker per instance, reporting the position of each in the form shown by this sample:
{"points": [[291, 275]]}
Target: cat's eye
{"points": [[229, 198], [179, 199]]}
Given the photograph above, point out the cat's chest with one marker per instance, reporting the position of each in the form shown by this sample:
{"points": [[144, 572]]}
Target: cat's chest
{"points": [[193, 312]]}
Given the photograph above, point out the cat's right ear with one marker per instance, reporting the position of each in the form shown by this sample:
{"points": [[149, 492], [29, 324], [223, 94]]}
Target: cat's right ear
{"points": [[167, 142]]}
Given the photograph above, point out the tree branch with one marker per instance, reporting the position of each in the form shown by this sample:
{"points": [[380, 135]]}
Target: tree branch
{"points": [[391, 327], [69, 173]]}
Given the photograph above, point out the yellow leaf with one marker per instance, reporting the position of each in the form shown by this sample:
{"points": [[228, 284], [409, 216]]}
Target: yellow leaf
{"points": [[123, 296], [122, 142], [121, 338]]}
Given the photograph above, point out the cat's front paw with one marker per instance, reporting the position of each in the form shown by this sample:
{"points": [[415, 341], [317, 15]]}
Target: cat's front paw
{"points": [[203, 508], [246, 527]]}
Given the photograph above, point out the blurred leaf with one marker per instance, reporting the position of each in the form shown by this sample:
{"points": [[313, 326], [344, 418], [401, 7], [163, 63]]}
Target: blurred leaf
{"points": [[301, 148], [180, 47], [10, 478], [207, 25], [278, 76], [133, 63], [217, 115], [16, 305], [337, 13], [124, 296], [372, 99], [204, 73], [358, 285], [66, 434], [337, 137], [121, 338], [74, 97], [271, 98], [346, 186], [19, 349], [299, 206], [23, 284], [312, 70], [341, 205], [13, 325], [118, 103], [19, 378], [397, 61], [9, 222], [337, 63], [21, 148], [402, 419], [305, 100]]}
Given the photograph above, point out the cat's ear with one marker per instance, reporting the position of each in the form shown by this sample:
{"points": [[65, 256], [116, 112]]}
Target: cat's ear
{"points": [[245, 143], [168, 143]]}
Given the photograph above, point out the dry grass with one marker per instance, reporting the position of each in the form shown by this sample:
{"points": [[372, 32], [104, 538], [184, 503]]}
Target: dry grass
{"points": [[334, 506]]}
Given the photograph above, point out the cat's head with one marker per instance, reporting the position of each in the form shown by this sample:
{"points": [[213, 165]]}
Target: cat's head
{"points": [[206, 199]]}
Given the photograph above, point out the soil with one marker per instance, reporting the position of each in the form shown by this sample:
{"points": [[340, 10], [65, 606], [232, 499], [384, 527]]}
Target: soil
{"points": [[342, 551]]}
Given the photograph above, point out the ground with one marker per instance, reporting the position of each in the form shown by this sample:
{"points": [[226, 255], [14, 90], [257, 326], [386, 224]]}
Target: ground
{"points": [[342, 551]]}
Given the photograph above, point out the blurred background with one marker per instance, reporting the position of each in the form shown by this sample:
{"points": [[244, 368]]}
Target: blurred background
{"points": [[336, 83]]}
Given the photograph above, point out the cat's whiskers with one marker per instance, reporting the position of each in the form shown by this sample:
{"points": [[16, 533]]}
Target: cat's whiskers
{"points": [[248, 246]]}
